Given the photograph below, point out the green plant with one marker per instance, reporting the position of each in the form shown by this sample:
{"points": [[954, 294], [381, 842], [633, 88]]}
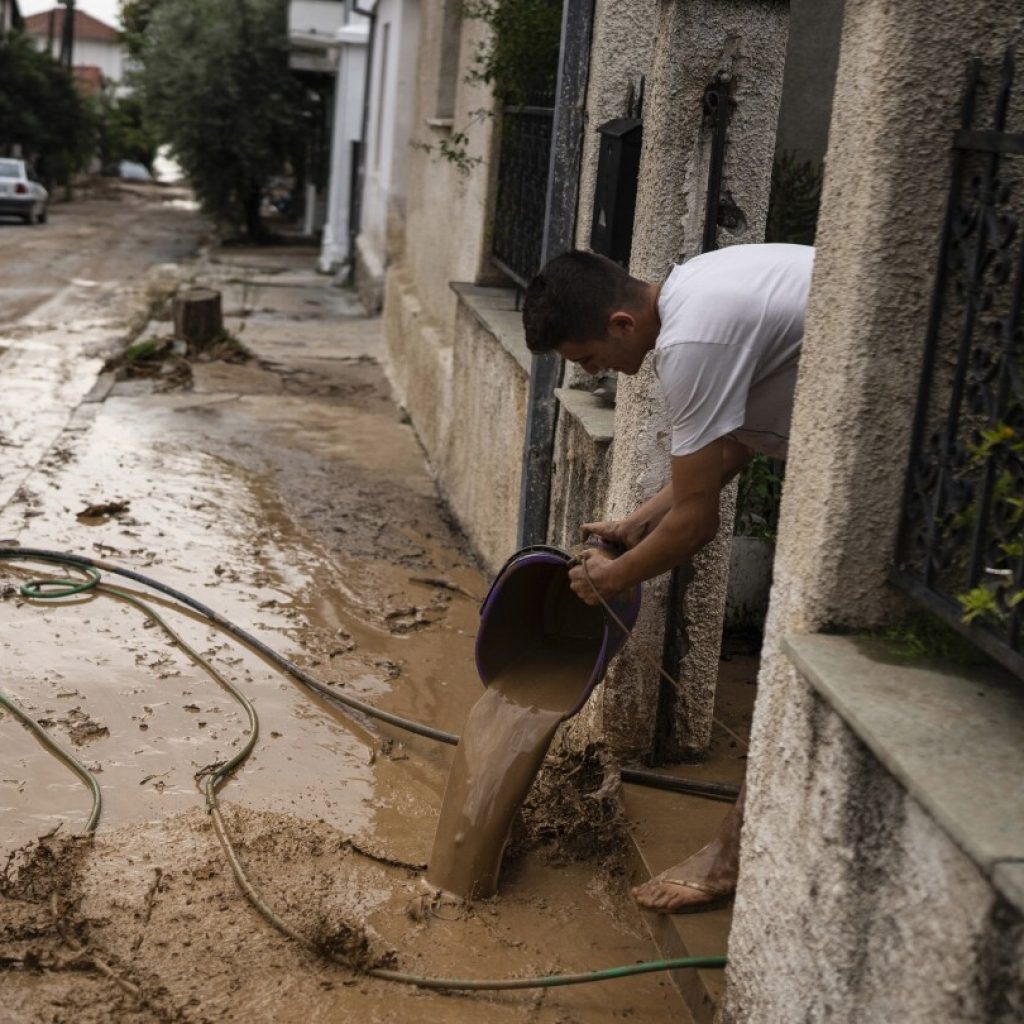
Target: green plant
{"points": [[217, 86], [919, 634], [996, 451], [795, 199], [758, 497], [518, 60], [124, 133], [42, 113]]}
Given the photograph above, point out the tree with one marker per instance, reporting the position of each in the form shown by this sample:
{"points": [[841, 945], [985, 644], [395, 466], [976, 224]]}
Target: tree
{"points": [[217, 87], [124, 133], [42, 113]]}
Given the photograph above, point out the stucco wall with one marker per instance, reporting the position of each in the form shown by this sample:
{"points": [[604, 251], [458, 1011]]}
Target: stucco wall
{"points": [[481, 464], [854, 906], [842, 878], [447, 209], [457, 383], [419, 363], [693, 41], [812, 55]]}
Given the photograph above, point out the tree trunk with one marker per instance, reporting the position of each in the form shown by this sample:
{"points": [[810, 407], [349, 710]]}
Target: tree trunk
{"points": [[197, 317], [253, 221]]}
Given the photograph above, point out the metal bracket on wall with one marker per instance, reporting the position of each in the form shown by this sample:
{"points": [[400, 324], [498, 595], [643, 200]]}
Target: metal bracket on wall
{"points": [[716, 117]]}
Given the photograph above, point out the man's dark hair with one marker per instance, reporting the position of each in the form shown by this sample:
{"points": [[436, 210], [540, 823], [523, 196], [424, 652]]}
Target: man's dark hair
{"points": [[572, 298]]}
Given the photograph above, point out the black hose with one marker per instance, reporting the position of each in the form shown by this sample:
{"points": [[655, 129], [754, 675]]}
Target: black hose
{"points": [[362, 710]]}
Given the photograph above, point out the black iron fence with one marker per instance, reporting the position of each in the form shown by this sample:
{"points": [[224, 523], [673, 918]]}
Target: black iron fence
{"points": [[961, 548], [523, 164]]}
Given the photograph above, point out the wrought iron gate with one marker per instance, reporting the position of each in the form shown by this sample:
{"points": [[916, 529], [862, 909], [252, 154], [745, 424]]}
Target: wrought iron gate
{"points": [[526, 133], [961, 544]]}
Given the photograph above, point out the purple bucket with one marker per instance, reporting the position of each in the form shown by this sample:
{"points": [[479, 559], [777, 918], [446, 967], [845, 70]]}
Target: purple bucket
{"points": [[530, 600]]}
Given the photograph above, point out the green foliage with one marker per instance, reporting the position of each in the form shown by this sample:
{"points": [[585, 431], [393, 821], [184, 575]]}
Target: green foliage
{"points": [[921, 635], [135, 17], [520, 56], [124, 133], [216, 85], [979, 603], [1000, 446], [518, 59], [42, 112], [795, 198], [757, 501]]}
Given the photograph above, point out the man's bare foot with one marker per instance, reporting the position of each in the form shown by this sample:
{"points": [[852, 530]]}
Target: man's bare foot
{"points": [[701, 882], [704, 881]]}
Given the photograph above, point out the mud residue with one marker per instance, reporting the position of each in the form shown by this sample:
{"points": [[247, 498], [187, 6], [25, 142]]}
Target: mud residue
{"points": [[36, 871], [574, 811]]}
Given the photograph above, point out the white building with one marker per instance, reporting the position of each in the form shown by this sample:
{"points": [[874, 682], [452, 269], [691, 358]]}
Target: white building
{"points": [[97, 45], [390, 106], [329, 37]]}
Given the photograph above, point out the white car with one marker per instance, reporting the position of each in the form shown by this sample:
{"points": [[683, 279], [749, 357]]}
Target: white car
{"points": [[20, 194]]}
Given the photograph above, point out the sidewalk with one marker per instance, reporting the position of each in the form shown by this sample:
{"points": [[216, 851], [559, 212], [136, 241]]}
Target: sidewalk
{"points": [[288, 494]]}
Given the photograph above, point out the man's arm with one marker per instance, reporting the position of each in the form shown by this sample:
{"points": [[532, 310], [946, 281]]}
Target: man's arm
{"points": [[687, 521], [629, 532]]}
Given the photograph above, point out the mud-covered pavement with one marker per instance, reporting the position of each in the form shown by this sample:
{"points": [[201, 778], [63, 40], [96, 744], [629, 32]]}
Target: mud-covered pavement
{"points": [[288, 494]]}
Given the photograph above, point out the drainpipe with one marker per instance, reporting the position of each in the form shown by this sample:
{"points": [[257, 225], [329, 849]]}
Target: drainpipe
{"points": [[359, 177], [559, 231]]}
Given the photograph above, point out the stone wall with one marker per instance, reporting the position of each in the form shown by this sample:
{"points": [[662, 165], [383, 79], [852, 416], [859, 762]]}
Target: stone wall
{"points": [[854, 904]]}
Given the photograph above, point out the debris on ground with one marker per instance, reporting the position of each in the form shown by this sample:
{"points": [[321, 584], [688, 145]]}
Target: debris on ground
{"points": [[105, 510], [574, 810]]}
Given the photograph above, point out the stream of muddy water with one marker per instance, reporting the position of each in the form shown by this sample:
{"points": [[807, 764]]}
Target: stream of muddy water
{"points": [[507, 734]]}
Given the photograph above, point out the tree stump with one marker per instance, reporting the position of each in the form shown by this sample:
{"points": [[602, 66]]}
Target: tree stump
{"points": [[197, 317]]}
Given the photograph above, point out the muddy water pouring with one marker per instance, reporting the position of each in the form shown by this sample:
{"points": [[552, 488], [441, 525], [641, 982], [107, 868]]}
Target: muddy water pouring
{"points": [[540, 652]]}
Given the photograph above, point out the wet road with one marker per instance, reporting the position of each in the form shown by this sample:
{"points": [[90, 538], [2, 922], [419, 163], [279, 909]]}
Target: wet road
{"points": [[287, 493], [107, 236]]}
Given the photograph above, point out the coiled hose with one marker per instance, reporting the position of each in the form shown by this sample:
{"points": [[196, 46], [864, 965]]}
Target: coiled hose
{"points": [[58, 588]]}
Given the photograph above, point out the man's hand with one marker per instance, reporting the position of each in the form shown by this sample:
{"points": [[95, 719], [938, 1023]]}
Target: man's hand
{"points": [[602, 577], [623, 532]]}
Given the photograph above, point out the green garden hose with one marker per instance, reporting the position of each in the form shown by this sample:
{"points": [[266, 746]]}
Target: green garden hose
{"points": [[58, 588]]}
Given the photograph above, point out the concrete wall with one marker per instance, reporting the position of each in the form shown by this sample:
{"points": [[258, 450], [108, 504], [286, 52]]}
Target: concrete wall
{"points": [[812, 57], [692, 42], [464, 392], [392, 85], [843, 880], [854, 905], [480, 467]]}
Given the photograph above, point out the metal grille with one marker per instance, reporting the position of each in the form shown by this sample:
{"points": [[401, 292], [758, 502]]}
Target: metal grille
{"points": [[961, 548], [522, 190]]}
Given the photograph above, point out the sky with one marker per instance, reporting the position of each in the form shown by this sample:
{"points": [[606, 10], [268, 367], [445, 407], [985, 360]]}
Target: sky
{"points": [[105, 10]]}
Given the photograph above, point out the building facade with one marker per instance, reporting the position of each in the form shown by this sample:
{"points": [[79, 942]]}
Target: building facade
{"points": [[882, 873], [96, 45]]}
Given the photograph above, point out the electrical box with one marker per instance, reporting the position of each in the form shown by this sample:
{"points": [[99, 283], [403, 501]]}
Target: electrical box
{"points": [[611, 232]]}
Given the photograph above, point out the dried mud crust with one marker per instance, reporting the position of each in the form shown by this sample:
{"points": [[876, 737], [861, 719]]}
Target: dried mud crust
{"points": [[574, 810]]}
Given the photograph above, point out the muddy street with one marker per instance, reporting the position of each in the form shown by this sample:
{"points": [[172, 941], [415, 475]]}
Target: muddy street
{"points": [[284, 489]]}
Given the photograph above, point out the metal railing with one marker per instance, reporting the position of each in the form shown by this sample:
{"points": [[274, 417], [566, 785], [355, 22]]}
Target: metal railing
{"points": [[521, 202], [961, 544]]}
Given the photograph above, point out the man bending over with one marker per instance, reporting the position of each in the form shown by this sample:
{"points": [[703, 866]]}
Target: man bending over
{"points": [[725, 329]]}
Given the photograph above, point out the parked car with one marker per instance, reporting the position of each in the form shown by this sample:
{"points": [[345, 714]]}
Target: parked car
{"points": [[20, 194], [132, 171]]}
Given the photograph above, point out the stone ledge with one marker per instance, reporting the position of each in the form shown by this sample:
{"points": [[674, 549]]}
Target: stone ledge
{"points": [[952, 737], [596, 418], [495, 311]]}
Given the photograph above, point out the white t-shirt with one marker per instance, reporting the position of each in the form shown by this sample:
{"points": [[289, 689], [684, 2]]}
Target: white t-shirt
{"points": [[731, 326]]}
